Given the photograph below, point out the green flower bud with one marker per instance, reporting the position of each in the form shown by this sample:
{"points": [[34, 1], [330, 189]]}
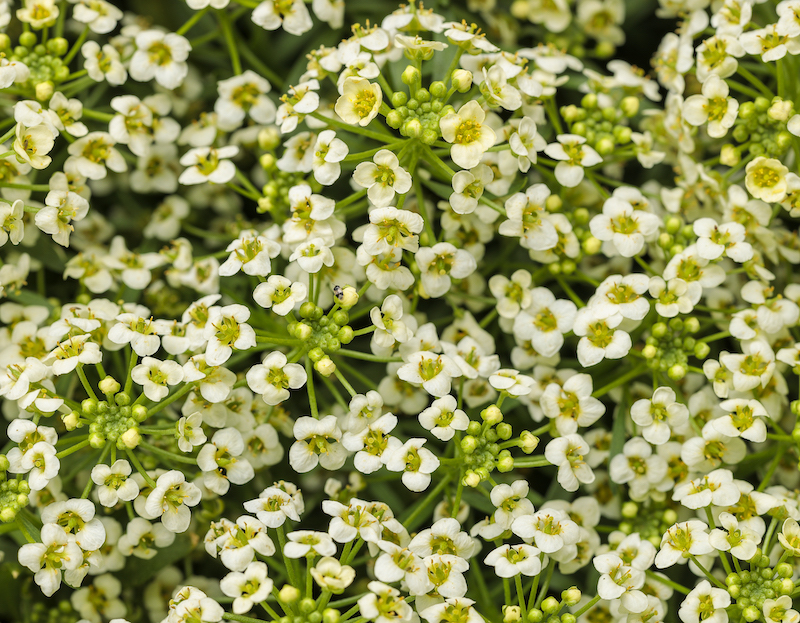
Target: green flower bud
{"points": [[399, 98], [551, 605], [535, 615], [429, 136], [394, 119], [331, 615], [589, 101], [469, 444], [462, 80], [505, 465], [316, 354], [307, 605], [571, 596], [511, 614], [288, 594], [677, 372], [492, 415], [629, 106], [27, 39], [410, 75], [412, 128], [604, 146], [89, 406]]}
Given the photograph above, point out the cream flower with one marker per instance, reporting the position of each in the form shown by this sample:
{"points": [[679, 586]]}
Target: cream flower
{"points": [[469, 135]]}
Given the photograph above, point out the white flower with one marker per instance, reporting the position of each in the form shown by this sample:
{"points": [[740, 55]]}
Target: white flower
{"points": [[248, 588], [567, 453], [95, 154], [208, 164], [441, 263], [434, 372], [312, 255], [571, 404], [161, 56], [468, 188], [103, 63], [329, 151], [600, 337], [292, 15], [743, 418], [47, 559], [416, 463], [620, 581], [114, 483], [156, 376], [545, 321], [221, 462], [318, 442], [640, 469], [574, 156], [715, 488], [280, 294], [713, 106], [766, 179], [443, 419], [751, 369], [251, 253], [11, 225], [780, 610], [551, 530], [359, 102], [171, 499], [383, 177], [143, 539], [509, 561], [705, 603], [274, 376], [387, 319], [33, 144], [623, 226], [333, 576], [660, 415], [732, 537], [528, 219], [469, 135], [728, 238], [275, 505], [243, 95], [225, 330], [680, 541]]}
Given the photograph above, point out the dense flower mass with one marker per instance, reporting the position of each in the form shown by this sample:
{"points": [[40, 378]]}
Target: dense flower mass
{"points": [[327, 312]]}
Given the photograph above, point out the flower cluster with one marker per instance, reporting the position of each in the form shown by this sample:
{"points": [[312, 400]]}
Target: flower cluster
{"points": [[322, 314]]}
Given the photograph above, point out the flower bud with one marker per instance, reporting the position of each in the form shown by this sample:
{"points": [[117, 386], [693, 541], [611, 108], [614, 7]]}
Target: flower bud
{"points": [[28, 39], [96, 440], [349, 298], [504, 431], [729, 155], [44, 91], [412, 128], [109, 385], [591, 246], [505, 464], [325, 366], [701, 350], [269, 138], [492, 415], [331, 615], [676, 372], [303, 331], [4, 463], [471, 479], [288, 594], [462, 80], [511, 614], [89, 406], [571, 596], [7, 515], [629, 106], [630, 510], [535, 615], [394, 119], [528, 442], [551, 605], [71, 420], [307, 605], [410, 75], [139, 413], [469, 444], [780, 110], [604, 146], [130, 438], [438, 89]]}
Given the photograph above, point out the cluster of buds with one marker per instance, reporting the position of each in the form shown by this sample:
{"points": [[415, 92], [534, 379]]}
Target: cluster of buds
{"points": [[671, 344], [114, 419], [603, 127]]}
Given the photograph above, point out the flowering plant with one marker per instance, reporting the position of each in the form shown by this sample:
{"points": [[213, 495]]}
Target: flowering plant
{"points": [[437, 322]]}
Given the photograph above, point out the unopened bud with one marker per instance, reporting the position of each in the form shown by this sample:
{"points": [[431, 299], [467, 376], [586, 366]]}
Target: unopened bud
{"points": [[462, 80], [571, 596], [349, 298], [131, 438], [511, 614], [471, 479], [109, 385], [325, 366], [629, 106], [492, 415], [288, 594], [44, 91], [410, 75], [780, 110], [729, 156], [70, 420], [269, 138]]}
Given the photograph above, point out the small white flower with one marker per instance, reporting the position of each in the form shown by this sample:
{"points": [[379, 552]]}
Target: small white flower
{"points": [[383, 177], [161, 56]]}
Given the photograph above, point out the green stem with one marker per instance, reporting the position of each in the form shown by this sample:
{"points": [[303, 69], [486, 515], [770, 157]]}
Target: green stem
{"points": [[230, 41], [192, 21]]}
